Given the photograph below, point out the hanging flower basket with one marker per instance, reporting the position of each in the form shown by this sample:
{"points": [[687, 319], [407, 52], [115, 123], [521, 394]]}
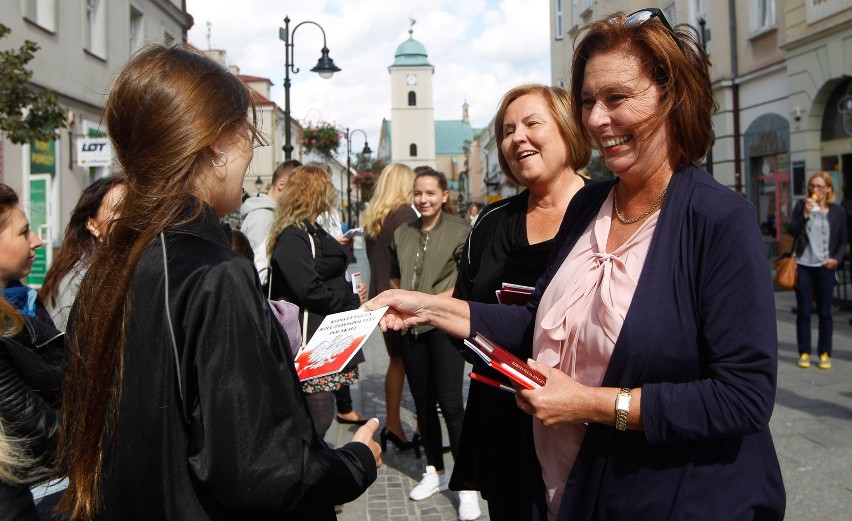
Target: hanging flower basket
{"points": [[322, 138]]}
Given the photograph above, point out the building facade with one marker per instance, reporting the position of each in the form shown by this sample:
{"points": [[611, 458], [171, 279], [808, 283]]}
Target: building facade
{"points": [[82, 44], [780, 74]]}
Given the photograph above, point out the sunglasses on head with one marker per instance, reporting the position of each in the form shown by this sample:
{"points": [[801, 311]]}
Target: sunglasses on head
{"points": [[641, 16]]}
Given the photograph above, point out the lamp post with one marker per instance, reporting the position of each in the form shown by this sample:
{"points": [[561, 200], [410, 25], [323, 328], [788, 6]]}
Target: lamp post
{"points": [[325, 67], [366, 151]]}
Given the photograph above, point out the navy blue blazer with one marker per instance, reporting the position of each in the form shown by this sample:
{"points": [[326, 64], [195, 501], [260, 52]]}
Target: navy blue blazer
{"points": [[700, 340]]}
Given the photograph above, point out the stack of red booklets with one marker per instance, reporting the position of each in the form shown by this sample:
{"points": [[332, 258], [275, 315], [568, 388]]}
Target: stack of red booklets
{"points": [[505, 362], [514, 294]]}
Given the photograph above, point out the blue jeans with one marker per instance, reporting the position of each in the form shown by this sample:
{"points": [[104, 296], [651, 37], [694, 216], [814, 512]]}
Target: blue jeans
{"points": [[814, 285]]}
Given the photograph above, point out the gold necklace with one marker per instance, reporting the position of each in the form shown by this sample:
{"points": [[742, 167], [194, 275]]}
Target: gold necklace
{"points": [[625, 220]]}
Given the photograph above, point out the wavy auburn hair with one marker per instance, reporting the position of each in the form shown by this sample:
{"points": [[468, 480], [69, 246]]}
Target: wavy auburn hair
{"points": [[675, 61], [308, 193], [168, 106], [393, 190]]}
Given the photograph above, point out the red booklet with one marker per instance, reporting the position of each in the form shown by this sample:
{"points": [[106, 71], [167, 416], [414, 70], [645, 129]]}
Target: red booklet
{"points": [[505, 362], [514, 294]]}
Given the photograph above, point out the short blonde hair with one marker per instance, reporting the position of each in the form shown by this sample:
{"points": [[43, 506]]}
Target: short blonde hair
{"points": [[829, 182], [393, 190], [578, 144]]}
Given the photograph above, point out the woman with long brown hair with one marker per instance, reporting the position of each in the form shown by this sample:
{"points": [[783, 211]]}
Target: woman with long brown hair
{"points": [[90, 222], [186, 402]]}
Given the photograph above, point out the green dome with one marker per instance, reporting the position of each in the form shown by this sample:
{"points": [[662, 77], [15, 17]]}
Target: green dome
{"points": [[410, 52]]}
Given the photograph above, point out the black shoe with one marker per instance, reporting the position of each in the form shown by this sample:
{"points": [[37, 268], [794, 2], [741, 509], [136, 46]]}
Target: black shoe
{"points": [[385, 435], [360, 421]]}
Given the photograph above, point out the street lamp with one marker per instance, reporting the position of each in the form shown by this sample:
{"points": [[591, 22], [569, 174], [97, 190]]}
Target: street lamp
{"points": [[258, 183], [325, 67], [366, 151]]}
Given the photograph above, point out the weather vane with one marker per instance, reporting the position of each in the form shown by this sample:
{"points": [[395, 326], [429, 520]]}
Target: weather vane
{"points": [[412, 21]]}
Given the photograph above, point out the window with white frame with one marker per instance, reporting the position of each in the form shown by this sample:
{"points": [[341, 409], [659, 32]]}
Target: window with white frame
{"points": [[575, 13], [136, 28], [95, 30], [41, 13], [557, 18], [762, 15]]}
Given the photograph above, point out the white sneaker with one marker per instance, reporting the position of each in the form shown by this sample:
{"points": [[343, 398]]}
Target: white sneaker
{"points": [[469, 505], [431, 483]]}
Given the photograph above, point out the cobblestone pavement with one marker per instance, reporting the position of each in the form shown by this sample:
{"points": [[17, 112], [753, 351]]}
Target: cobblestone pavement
{"points": [[811, 427]]}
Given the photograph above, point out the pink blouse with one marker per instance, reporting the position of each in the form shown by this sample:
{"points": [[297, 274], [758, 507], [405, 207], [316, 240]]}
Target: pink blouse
{"points": [[579, 319]]}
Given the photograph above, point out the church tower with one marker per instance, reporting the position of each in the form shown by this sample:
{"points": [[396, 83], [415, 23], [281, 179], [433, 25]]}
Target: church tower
{"points": [[412, 130]]}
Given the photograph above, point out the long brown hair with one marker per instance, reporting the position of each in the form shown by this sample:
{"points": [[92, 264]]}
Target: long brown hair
{"points": [[675, 61], [166, 110], [79, 243]]}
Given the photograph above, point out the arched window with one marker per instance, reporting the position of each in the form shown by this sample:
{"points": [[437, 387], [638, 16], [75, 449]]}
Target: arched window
{"points": [[412, 99], [412, 150]]}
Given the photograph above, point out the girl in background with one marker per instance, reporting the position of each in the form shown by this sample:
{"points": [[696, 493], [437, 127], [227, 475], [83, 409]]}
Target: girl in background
{"points": [[89, 224], [425, 257], [819, 226], [30, 367], [390, 208]]}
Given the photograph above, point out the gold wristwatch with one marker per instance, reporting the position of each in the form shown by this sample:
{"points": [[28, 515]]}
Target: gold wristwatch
{"points": [[622, 407]]}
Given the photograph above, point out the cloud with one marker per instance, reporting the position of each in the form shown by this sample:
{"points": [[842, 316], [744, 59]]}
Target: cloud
{"points": [[479, 48]]}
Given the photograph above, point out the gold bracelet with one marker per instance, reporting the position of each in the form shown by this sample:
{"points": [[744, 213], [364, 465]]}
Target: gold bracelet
{"points": [[622, 408]]}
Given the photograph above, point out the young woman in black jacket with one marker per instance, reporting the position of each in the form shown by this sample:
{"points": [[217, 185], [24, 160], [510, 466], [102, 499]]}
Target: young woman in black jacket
{"points": [[308, 268], [186, 401]]}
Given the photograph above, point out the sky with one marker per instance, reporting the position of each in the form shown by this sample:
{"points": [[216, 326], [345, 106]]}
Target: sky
{"points": [[480, 49]]}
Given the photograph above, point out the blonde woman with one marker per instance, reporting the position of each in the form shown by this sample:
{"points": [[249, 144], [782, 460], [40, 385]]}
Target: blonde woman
{"points": [[308, 268], [819, 225], [390, 207]]}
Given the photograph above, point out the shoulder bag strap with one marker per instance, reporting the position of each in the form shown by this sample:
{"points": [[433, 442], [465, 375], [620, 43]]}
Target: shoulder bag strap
{"points": [[305, 311], [169, 316]]}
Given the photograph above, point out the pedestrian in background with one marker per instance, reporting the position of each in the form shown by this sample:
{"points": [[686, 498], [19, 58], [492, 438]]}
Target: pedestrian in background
{"points": [[389, 208], [32, 352], [258, 213], [540, 149], [425, 257], [90, 222], [308, 268], [819, 227], [654, 324], [185, 398]]}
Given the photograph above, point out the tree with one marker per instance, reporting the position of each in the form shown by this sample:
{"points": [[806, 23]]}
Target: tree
{"points": [[25, 114]]}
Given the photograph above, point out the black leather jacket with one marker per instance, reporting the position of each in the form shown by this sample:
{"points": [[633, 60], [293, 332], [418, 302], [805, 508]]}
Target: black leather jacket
{"points": [[235, 440], [31, 366]]}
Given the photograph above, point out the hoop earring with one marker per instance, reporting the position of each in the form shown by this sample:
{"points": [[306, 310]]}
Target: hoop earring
{"points": [[225, 162]]}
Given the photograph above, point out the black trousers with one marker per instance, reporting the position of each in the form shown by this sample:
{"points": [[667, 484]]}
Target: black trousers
{"points": [[435, 372]]}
